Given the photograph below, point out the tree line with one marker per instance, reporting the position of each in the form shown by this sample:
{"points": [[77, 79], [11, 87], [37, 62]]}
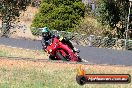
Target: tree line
{"points": [[65, 15]]}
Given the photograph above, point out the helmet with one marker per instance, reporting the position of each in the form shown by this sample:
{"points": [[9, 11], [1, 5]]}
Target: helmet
{"points": [[45, 30]]}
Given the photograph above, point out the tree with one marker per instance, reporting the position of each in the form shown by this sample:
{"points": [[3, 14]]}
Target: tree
{"points": [[113, 12], [108, 12], [9, 10], [59, 14]]}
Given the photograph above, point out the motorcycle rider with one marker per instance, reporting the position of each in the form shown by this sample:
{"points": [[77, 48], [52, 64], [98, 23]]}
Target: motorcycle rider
{"points": [[48, 36]]}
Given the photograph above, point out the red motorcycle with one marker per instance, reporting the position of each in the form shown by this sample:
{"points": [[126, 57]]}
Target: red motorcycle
{"points": [[62, 51]]}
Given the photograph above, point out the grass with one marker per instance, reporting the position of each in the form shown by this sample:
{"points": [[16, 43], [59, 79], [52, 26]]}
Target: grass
{"points": [[2, 53], [24, 53], [29, 74]]}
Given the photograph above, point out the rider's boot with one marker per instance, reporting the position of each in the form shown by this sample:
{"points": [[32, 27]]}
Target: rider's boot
{"points": [[76, 50]]}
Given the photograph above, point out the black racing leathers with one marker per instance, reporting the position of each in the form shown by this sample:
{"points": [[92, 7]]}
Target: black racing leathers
{"points": [[46, 39]]}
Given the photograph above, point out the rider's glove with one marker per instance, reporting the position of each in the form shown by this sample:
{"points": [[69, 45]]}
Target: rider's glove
{"points": [[44, 47]]}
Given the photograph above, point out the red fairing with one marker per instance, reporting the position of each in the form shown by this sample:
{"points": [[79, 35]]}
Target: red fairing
{"points": [[70, 52], [63, 49]]}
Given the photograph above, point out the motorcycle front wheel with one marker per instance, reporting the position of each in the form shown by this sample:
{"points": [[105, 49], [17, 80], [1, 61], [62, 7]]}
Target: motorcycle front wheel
{"points": [[52, 57], [79, 59]]}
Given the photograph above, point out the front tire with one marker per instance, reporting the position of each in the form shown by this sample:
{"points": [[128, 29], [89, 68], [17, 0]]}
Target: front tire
{"points": [[79, 59], [52, 57]]}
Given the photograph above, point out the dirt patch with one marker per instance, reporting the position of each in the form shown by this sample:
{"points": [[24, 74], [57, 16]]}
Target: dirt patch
{"points": [[24, 22], [21, 27]]}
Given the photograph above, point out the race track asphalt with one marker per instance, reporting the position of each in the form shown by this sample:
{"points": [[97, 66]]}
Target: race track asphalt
{"points": [[90, 54]]}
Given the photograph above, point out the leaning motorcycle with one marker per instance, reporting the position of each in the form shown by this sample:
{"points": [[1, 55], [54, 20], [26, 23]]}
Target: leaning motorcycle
{"points": [[62, 51]]}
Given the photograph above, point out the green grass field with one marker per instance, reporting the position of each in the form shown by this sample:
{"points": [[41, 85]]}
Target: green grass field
{"points": [[3, 53], [18, 52], [30, 74]]}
